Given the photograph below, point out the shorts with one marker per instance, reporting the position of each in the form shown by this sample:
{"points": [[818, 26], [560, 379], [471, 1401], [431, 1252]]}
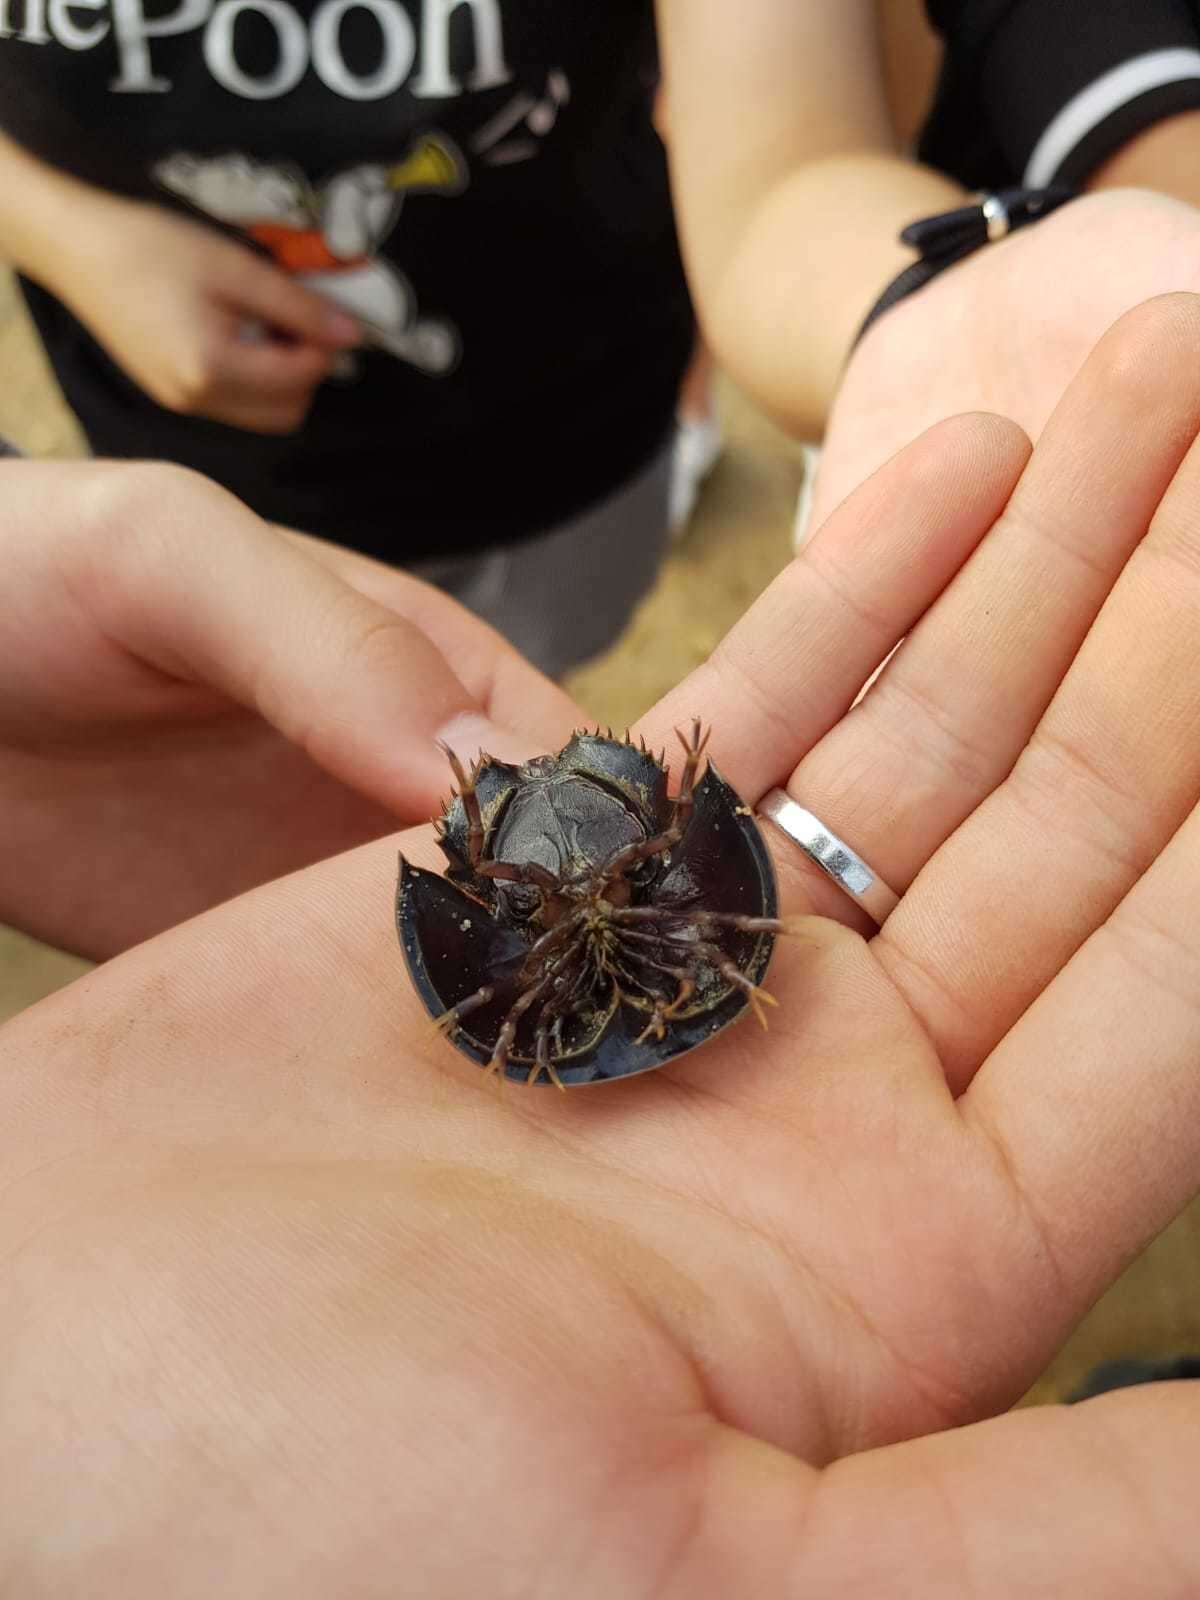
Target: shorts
{"points": [[566, 595]]}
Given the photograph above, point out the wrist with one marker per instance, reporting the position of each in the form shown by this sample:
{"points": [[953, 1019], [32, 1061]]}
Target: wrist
{"points": [[96, 225], [33, 198], [812, 262], [946, 238], [1164, 158], [40, 208]]}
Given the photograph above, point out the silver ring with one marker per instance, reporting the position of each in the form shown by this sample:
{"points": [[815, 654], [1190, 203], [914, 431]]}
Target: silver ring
{"points": [[995, 214], [833, 855]]}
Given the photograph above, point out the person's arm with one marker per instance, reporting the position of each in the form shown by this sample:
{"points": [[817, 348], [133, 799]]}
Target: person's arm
{"points": [[1058, 90], [1165, 158], [790, 190], [39, 208], [169, 298], [1097, 93]]}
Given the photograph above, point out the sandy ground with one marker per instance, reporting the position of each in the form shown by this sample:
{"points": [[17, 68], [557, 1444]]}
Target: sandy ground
{"points": [[738, 540]]}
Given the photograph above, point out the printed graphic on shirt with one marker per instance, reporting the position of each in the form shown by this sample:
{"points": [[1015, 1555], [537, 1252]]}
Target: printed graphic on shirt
{"points": [[328, 236], [512, 134], [415, 52]]}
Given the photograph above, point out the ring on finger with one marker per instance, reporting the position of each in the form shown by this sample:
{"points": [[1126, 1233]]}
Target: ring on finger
{"points": [[833, 855]]}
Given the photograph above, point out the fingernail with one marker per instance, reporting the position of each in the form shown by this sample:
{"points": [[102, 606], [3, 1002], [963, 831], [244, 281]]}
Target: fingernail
{"points": [[343, 328], [469, 735]]}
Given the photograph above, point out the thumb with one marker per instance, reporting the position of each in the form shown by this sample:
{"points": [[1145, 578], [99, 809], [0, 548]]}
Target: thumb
{"points": [[199, 588], [260, 290], [1092, 1500]]}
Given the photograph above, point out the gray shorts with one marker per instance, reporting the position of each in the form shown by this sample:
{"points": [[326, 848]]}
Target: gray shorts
{"points": [[567, 594]]}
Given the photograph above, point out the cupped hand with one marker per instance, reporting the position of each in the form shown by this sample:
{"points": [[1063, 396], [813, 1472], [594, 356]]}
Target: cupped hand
{"points": [[194, 702], [203, 324], [1005, 330], [293, 1303]]}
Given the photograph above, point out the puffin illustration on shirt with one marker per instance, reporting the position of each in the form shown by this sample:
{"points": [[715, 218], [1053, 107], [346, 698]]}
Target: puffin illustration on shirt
{"points": [[326, 237]]}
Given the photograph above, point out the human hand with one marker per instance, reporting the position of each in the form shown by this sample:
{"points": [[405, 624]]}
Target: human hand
{"points": [[172, 301], [292, 1303], [194, 702], [1005, 330]]}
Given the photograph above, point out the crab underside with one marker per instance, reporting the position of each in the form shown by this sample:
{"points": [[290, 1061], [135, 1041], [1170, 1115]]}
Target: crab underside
{"points": [[589, 927]]}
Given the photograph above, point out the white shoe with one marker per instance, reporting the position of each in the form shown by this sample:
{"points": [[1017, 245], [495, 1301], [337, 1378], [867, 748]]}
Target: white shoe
{"points": [[800, 526], [698, 445]]}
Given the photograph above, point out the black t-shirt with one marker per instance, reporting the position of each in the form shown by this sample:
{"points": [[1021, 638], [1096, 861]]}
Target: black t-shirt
{"points": [[1044, 91], [478, 180]]}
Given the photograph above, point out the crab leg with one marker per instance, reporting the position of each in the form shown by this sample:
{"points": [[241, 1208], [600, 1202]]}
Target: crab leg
{"points": [[449, 1020], [691, 765], [687, 984], [541, 1060], [651, 914], [631, 854], [663, 1010], [735, 919], [528, 872], [553, 936], [470, 800], [698, 919], [512, 872], [508, 1030], [630, 936], [666, 926], [556, 1011], [729, 970], [663, 1013]]}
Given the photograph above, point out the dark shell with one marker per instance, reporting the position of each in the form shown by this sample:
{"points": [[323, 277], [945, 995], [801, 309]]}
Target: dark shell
{"points": [[595, 796], [589, 771]]}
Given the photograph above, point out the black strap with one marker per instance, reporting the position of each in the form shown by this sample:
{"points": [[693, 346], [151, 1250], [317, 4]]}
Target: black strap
{"points": [[950, 236]]}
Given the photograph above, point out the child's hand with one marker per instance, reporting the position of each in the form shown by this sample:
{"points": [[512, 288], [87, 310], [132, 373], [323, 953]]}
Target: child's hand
{"points": [[173, 302]]}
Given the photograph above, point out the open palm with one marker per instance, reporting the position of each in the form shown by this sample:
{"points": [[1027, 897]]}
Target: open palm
{"points": [[295, 1304], [1006, 330]]}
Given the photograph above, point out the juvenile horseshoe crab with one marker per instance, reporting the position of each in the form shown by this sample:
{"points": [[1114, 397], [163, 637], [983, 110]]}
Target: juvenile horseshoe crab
{"points": [[589, 926]]}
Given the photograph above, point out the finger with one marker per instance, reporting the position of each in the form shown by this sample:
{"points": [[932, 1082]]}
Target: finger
{"points": [[794, 663], [365, 692], [956, 704], [266, 387], [277, 419], [1088, 1500], [1112, 769], [251, 287], [271, 371], [1092, 1100], [511, 692]]}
